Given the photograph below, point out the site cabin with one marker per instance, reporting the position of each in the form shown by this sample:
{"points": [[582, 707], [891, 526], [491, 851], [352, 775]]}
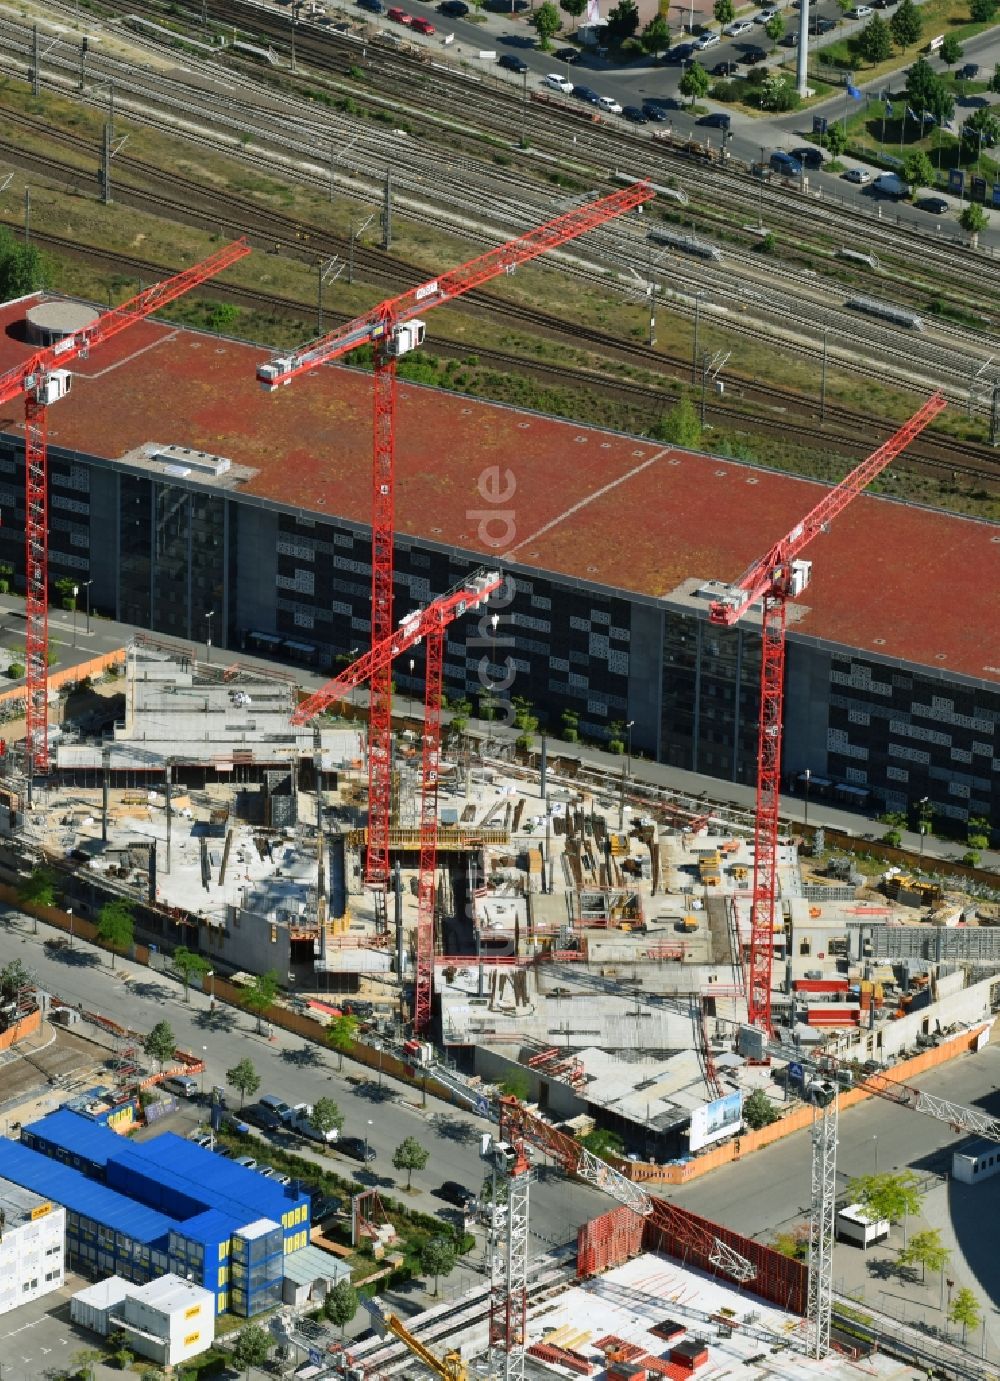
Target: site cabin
{"points": [[853, 1225]]}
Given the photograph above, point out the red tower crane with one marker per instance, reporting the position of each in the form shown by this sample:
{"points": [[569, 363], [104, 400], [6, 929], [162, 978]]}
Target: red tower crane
{"points": [[777, 577], [40, 380], [394, 328], [429, 623]]}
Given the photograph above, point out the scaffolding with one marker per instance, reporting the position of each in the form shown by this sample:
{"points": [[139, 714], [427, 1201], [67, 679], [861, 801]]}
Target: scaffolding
{"points": [[823, 1096]]}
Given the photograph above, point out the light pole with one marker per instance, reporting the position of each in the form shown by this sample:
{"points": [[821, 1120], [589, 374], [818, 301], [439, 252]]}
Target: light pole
{"points": [[208, 635], [628, 751], [204, 1061], [922, 821], [76, 591], [211, 998], [875, 1144], [412, 665], [69, 913], [370, 1123], [86, 586], [697, 322], [805, 819]]}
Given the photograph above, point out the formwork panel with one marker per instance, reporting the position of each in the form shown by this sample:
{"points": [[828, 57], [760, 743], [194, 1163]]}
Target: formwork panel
{"points": [[609, 1240]]}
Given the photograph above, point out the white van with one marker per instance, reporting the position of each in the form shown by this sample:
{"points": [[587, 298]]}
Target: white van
{"points": [[182, 1085]]}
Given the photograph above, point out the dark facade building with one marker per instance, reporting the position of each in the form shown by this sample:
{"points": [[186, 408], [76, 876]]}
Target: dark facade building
{"points": [[204, 509]]}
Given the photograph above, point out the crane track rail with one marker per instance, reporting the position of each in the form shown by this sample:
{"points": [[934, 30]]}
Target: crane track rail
{"points": [[848, 430]]}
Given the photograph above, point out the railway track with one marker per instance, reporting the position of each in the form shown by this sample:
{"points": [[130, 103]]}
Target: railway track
{"points": [[847, 432], [755, 314]]}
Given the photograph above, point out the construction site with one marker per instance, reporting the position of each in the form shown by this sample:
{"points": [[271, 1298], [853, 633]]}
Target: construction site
{"points": [[633, 960]]}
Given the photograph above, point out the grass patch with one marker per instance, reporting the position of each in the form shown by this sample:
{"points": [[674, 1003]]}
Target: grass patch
{"points": [[939, 17]]}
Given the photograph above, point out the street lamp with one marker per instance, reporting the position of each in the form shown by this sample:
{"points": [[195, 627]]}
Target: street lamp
{"points": [[922, 821], [875, 1143], [208, 635], [370, 1124], [69, 913], [211, 1002], [76, 591], [808, 778], [204, 1061], [697, 321], [86, 586], [626, 765]]}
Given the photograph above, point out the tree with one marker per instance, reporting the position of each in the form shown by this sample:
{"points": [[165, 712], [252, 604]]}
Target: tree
{"points": [[695, 82], [120, 1351], [925, 1249], [525, 721], [341, 1304], [893, 838], [655, 36], [982, 11], [918, 170], [623, 20], [517, 1085], [724, 11], [888, 1196], [680, 426], [160, 1044], [571, 725], [965, 1310], [775, 26], [995, 81], [12, 977], [973, 219], [777, 92], [437, 1258], [39, 888], [971, 857], [115, 927], [950, 51], [926, 92], [460, 711], [875, 40], [546, 22], [260, 993], [759, 1111], [252, 1345], [906, 25], [409, 1155], [191, 965], [84, 1360], [981, 129], [340, 1034], [602, 1143], [836, 139], [22, 267], [574, 8], [244, 1078], [326, 1116]]}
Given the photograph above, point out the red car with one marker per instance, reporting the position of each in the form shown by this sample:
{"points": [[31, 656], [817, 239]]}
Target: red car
{"points": [[422, 26], [401, 17]]}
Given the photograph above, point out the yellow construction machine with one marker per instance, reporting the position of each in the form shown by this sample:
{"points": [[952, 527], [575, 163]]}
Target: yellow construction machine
{"points": [[450, 1367]]}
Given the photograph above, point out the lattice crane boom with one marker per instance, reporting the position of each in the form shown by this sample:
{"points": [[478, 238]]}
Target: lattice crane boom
{"points": [[470, 593], [394, 328], [518, 1124], [778, 576], [40, 380]]}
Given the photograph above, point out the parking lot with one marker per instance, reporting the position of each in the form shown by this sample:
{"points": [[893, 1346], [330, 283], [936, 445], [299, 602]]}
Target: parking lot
{"points": [[38, 1338]]}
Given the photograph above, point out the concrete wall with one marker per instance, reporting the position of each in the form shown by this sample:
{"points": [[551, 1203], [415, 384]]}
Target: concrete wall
{"points": [[967, 1006]]}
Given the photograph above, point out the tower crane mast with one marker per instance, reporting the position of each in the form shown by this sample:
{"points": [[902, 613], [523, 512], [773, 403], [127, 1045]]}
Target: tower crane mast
{"points": [[394, 328], [775, 578], [40, 380]]}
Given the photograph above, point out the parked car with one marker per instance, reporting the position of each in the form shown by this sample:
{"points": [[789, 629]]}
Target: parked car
{"points": [[809, 156], [679, 53], [585, 93], [420, 25], [610, 105], [707, 41], [635, 114], [373, 6], [454, 9], [182, 1085], [247, 1162], [725, 69], [765, 16], [513, 64], [280, 1177], [261, 1117], [738, 26], [301, 1122], [356, 1147], [719, 119], [823, 26], [785, 164], [569, 55], [399, 16], [199, 1137], [266, 1170], [788, 40], [655, 112], [859, 175], [860, 12], [753, 55], [558, 83], [937, 206], [969, 71], [278, 1106], [455, 1193]]}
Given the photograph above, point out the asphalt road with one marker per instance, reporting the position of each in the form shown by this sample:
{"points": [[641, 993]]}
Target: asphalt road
{"points": [[771, 1189], [298, 1072]]}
